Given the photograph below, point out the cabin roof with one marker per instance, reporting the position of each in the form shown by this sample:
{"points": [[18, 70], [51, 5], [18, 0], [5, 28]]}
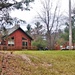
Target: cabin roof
{"points": [[13, 29]]}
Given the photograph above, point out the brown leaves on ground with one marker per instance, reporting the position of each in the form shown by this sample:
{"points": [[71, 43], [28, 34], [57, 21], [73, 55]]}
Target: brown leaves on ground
{"points": [[12, 64]]}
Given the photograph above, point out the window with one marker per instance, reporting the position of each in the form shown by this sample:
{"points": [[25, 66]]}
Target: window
{"points": [[3, 42], [12, 38], [0, 42], [23, 38], [24, 43], [11, 41]]}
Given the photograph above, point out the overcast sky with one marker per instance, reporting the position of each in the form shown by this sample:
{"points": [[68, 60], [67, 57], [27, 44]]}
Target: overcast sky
{"points": [[28, 16]]}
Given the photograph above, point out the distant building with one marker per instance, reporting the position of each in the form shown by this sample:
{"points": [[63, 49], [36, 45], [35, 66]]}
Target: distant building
{"points": [[17, 39]]}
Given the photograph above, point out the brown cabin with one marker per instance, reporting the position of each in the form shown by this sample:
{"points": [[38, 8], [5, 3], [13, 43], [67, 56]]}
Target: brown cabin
{"points": [[17, 40]]}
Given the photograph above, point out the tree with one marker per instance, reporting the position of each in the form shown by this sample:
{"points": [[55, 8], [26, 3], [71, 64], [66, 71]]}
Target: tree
{"points": [[37, 34], [50, 19], [65, 34], [39, 43], [13, 3], [6, 6], [37, 31], [29, 29]]}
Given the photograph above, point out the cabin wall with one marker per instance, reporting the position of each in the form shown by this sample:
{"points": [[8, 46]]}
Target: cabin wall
{"points": [[18, 34]]}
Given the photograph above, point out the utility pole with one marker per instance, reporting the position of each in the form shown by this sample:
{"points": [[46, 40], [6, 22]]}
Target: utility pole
{"points": [[70, 27]]}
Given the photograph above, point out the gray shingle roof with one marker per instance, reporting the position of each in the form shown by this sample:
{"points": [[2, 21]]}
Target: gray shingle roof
{"points": [[11, 30]]}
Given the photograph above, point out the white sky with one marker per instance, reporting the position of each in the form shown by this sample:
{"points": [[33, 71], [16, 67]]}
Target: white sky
{"points": [[28, 16]]}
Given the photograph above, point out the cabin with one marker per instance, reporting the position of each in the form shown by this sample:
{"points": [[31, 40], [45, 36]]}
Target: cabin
{"points": [[17, 39]]}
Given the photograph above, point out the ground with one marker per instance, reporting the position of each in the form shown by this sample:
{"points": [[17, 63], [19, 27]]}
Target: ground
{"points": [[37, 63]]}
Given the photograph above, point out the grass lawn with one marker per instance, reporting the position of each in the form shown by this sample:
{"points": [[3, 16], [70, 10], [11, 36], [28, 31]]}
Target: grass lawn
{"points": [[47, 62], [38, 63]]}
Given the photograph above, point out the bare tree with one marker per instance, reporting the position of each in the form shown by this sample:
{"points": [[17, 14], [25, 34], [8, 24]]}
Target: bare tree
{"points": [[50, 18]]}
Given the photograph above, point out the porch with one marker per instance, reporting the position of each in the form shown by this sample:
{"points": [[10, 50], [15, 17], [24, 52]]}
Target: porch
{"points": [[6, 48]]}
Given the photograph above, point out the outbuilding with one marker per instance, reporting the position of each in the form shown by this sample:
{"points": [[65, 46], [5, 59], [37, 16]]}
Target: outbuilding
{"points": [[17, 39]]}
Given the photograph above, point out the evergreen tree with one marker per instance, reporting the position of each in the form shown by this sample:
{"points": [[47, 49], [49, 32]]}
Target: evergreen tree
{"points": [[65, 34], [29, 29]]}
